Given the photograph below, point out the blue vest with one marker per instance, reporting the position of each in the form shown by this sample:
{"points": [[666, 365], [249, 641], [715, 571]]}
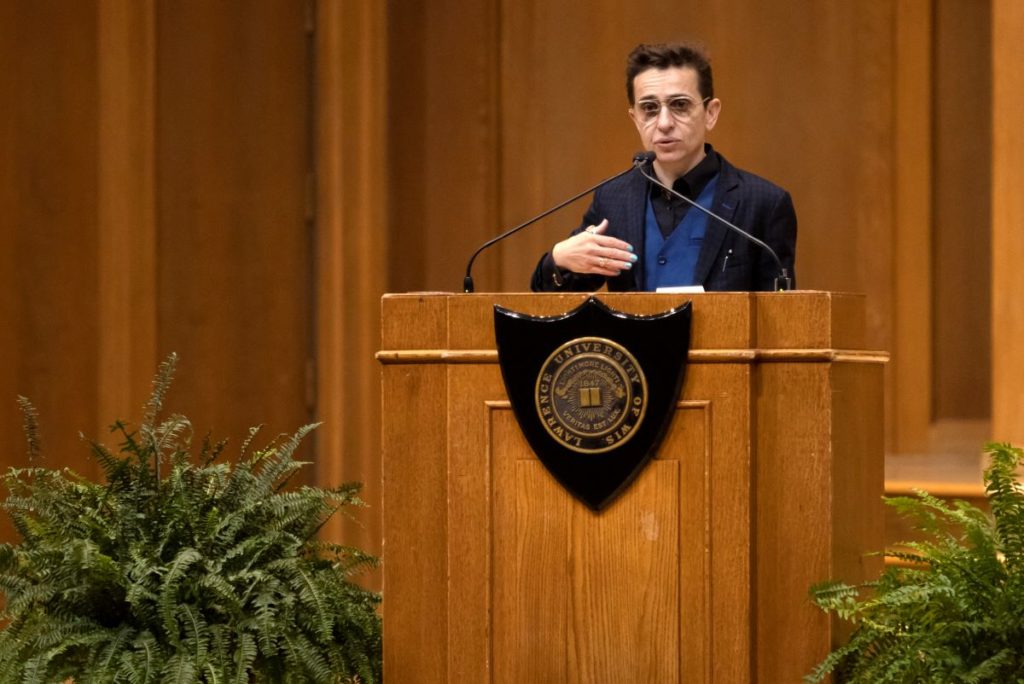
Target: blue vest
{"points": [[673, 261]]}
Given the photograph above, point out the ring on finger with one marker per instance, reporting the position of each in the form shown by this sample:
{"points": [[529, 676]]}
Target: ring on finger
{"points": [[604, 261]]}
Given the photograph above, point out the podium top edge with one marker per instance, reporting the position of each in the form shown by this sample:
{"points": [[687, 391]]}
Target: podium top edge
{"points": [[605, 294]]}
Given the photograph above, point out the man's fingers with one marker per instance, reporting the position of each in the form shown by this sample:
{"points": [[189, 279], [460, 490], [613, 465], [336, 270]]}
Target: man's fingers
{"points": [[593, 252], [612, 265], [607, 241]]}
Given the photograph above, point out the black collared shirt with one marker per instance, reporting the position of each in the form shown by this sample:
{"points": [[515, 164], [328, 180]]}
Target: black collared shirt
{"points": [[669, 210]]}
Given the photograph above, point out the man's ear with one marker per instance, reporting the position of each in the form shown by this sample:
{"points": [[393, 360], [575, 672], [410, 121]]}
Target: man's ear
{"points": [[714, 107]]}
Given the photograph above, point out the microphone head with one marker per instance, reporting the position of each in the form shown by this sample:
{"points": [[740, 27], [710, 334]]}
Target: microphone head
{"points": [[643, 158]]}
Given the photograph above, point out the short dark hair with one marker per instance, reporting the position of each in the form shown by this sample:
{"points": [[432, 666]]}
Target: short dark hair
{"points": [[666, 56]]}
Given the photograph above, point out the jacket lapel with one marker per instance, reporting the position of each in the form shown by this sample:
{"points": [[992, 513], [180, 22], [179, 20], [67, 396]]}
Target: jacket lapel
{"points": [[633, 231], [725, 204]]}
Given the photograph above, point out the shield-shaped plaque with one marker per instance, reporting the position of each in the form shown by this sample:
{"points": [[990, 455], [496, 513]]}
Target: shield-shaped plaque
{"points": [[593, 389]]}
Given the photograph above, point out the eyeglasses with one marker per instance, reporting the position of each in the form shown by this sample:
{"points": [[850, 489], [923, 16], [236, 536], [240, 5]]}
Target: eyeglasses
{"points": [[681, 108]]}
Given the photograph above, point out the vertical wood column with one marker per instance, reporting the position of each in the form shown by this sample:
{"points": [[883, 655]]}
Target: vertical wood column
{"points": [[48, 231], [126, 208], [233, 159], [1007, 221], [351, 246], [910, 398]]}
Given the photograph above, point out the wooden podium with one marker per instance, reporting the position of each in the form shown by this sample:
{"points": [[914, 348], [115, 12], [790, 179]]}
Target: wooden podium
{"points": [[769, 479]]}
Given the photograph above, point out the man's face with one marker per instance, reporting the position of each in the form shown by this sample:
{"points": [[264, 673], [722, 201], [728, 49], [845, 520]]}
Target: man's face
{"points": [[671, 118]]}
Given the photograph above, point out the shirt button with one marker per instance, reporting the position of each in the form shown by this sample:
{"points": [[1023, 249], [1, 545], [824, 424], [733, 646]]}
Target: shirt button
{"points": [[662, 261]]}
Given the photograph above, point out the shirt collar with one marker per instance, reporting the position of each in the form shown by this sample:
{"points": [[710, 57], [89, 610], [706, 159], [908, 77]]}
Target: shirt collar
{"points": [[693, 181]]}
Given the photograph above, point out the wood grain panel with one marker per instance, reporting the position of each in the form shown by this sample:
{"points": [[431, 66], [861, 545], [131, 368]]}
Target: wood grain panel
{"points": [[233, 141], [1007, 222], [48, 228], [720, 320], [910, 374], [730, 517], [477, 394], [443, 124], [414, 509], [962, 211], [820, 473], [625, 583], [532, 607], [857, 481], [127, 208], [689, 443], [793, 483], [679, 554], [350, 252]]}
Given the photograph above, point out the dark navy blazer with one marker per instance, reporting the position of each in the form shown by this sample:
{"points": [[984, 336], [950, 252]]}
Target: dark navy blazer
{"points": [[727, 260]]}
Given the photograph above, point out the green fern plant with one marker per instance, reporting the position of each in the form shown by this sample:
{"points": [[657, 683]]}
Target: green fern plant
{"points": [[181, 568], [953, 610]]}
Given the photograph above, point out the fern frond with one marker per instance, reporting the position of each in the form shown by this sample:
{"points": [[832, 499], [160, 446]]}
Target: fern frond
{"points": [[244, 657], [30, 423], [169, 594], [244, 451], [180, 669], [161, 383], [1007, 500]]}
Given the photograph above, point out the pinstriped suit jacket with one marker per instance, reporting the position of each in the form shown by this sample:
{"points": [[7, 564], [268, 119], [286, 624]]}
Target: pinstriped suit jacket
{"points": [[727, 261]]}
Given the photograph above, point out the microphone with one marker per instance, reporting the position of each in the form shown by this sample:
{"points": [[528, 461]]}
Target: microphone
{"points": [[467, 282], [782, 281]]}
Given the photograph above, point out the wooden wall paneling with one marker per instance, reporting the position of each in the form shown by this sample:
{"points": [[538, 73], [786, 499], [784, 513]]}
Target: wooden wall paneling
{"points": [[233, 157], [48, 231], [962, 210], [910, 389], [443, 122], [12, 83], [1007, 222], [351, 252], [127, 209]]}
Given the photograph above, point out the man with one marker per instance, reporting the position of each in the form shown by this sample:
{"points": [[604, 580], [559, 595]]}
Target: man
{"points": [[636, 236]]}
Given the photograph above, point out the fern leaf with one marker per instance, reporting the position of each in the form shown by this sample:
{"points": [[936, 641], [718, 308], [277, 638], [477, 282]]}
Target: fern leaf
{"points": [[245, 656], [30, 424], [180, 669], [161, 383], [169, 597]]}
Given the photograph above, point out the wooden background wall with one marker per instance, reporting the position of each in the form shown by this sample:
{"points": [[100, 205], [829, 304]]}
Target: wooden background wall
{"points": [[240, 181]]}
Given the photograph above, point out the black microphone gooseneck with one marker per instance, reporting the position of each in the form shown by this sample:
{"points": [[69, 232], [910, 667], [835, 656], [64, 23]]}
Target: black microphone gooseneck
{"points": [[782, 281], [467, 282]]}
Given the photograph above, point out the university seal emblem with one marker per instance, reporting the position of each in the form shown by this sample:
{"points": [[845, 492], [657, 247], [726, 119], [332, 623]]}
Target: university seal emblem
{"points": [[593, 389], [591, 394]]}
